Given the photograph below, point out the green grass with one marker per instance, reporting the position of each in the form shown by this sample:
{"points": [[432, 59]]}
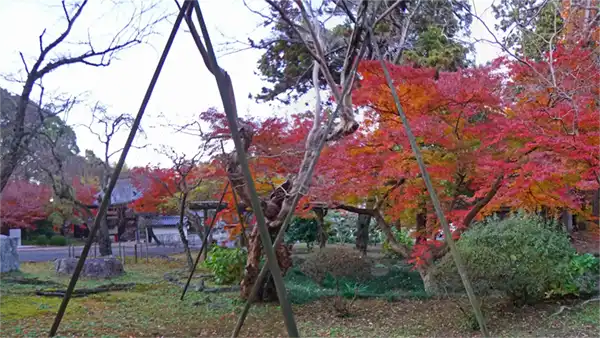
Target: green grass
{"points": [[153, 308]]}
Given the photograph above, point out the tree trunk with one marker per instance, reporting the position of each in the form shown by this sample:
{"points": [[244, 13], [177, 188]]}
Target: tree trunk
{"points": [[596, 205], [20, 140], [104, 243], [362, 228], [362, 233], [567, 221], [152, 236], [206, 247], [184, 240], [421, 220], [396, 246], [321, 233], [121, 222], [429, 283], [267, 292]]}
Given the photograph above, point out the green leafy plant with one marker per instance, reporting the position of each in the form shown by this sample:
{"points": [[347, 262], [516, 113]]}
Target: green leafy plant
{"points": [[302, 230], [582, 278], [342, 228], [402, 237], [226, 264]]}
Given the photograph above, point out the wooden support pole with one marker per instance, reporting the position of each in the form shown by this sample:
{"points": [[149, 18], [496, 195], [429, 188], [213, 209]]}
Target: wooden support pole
{"points": [[116, 172], [433, 195], [226, 91]]}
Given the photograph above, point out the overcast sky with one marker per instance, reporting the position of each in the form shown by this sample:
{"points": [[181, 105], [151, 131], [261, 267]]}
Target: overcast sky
{"points": [[185, 88]]}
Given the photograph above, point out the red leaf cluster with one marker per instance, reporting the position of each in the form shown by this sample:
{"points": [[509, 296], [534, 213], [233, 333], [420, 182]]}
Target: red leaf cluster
{"points": [[23, 203]]}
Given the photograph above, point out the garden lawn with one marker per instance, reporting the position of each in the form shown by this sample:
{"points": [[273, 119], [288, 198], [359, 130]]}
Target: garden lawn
{"points": [[152, 308]]}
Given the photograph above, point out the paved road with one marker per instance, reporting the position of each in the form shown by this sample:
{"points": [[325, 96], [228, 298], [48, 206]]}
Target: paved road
{"points": [[43, 254]]}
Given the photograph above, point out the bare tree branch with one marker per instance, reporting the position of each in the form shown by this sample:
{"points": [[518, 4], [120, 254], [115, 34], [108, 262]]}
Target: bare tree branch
{"points": [[134, 32]]}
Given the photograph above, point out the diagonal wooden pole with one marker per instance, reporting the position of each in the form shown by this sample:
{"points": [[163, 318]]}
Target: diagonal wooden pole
{"points": [[226, 91], [433, 195], [116, 173], [235, 201], [204, 241]]}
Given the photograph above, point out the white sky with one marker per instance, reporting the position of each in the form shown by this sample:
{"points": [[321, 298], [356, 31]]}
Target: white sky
{"points": [[185, 88]]}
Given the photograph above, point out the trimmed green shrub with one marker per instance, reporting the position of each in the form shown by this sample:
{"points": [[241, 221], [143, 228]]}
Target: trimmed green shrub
{"points": [[57, 240], [522, 256], [226, 264], [41, 240]]}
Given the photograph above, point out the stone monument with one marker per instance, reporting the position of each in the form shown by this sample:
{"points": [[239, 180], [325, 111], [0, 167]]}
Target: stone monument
{"points": [[103, 267], [9, 258], [16, 234]]}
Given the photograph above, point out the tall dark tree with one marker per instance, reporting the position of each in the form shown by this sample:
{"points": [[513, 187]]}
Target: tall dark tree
{"points": [[21, 129], [105, 126], [424, 30], [531, 27]]}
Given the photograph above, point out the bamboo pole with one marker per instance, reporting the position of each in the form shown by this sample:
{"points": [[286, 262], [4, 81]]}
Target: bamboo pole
{"points": [[433, 195], [263, 272], [226, 91], [115, 175]]}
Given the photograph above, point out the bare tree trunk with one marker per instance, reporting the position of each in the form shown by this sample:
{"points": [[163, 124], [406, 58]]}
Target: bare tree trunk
{"points": [[596, 205], [104, 244], [321, 233], [152, 236], [122, 222], [430, 285], [20, 139], [421, 220], [395, 246], [362, 229], [252, 263], [362, 233], [184, 240]]}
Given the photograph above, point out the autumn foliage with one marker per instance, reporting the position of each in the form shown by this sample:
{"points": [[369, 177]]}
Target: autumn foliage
{"points": [[156, 184], [23, 203]]}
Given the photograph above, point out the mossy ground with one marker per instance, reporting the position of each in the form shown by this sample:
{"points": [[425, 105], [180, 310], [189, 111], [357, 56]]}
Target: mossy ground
{"points": [[392, 305]]}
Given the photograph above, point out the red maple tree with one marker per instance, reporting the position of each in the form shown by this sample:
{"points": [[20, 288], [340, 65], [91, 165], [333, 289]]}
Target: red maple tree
{"points": [[156, 185], [23, 203]]}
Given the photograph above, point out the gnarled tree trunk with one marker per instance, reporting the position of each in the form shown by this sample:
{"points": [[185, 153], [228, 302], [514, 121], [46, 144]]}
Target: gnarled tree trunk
{"points": [[362, 228], [284, 256], [430, 284], [104, 244], [320, 214], [362, 233], [274, 210]]}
